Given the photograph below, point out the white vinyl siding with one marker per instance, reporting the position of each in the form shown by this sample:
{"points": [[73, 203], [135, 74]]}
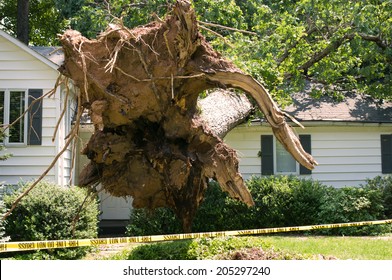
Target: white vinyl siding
{"points": [[347, 155], [19, 69]]}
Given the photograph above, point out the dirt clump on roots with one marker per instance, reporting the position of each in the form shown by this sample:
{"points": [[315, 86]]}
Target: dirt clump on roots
{"points": [[141, 88], [270, 254]]}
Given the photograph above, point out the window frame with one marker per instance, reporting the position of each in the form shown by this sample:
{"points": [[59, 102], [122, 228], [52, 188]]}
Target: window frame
{"points": [[269, 158], [6, 116], [275, 152]]}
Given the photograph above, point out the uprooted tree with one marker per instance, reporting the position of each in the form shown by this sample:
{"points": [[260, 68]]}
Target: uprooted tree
{"points": [[153, 140]]}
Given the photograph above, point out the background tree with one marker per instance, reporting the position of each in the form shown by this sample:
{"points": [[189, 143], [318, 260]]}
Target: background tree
{"points": [[343, 45], [45, 20], [22, 26]]}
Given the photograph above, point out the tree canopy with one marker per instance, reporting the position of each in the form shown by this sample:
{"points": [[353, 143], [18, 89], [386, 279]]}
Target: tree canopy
{"points": [[343, 45]]}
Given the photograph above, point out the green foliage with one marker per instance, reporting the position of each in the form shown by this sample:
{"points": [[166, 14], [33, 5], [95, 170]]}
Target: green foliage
{"points": [[285, 200], [45, 20], [144, 222], [2, 205], [176, 250], [50, 212], [218, 211], [300, 40], [207, 248], [384, 185], [351, 204], [344, 45], [92, 17], [2, 212], [280, 201], [196, 249]]}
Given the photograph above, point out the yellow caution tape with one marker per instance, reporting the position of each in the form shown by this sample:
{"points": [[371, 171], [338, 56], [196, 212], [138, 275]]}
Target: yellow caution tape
{"points": [[54, 244]]}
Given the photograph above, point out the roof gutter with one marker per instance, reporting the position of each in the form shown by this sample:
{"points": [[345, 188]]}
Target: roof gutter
{"points": [[319, 123]]}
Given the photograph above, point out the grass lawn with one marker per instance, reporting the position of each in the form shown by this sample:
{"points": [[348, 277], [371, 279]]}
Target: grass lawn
{"points": [[358, 248]]}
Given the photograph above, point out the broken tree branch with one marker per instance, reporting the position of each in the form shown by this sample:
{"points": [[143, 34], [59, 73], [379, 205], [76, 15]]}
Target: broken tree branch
{"points": [[226, 27]]}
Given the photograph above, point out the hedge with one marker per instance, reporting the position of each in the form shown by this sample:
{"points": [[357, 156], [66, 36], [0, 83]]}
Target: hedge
{"points": [[279, 201], [51, 212]]}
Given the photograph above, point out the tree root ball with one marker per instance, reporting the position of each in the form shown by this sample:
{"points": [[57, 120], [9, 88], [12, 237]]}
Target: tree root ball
{"points": [[151, 142]]}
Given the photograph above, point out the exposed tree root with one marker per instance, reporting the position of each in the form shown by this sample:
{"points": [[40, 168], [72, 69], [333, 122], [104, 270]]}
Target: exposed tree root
{"points": [[141, 87]]}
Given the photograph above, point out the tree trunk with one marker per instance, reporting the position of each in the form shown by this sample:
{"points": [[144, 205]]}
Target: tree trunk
{"points": [[222, 110], [152, 141], [22, 21]]}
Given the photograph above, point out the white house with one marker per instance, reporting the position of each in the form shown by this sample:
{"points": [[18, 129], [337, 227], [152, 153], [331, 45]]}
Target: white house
{"points": [[350, 139], [26, 75]]}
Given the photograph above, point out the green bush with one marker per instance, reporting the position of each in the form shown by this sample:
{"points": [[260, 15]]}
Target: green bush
{"points": [[219, 212], [280, 201], [196, 249], [2, 223], [285, 200], [149, 222], [173, 250], [353, 204], [384, 185], [50, 212]]}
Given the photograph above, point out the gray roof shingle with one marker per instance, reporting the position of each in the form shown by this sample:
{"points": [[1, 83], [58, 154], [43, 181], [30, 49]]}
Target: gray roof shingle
{"points": [[353, 108], [54, 54]]}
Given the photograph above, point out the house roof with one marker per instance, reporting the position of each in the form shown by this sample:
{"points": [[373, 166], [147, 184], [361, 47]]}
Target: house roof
{"points": [[33, 51], [54, 54], [353, 108]]}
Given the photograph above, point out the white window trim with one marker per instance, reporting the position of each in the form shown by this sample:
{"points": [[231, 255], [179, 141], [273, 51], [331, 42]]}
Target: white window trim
{"points": [[6, 118], [276, 162]]}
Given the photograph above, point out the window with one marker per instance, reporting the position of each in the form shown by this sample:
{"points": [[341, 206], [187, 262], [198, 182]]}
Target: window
{"points": [[285, 163], [16, 133], [276, 160], [28, 128], [13, 104]]}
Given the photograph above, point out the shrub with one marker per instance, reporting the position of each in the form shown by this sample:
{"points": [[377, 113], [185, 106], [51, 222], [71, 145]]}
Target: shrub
{"points": [[149, 222], [272, 196], [285, 200], [306, 201], [353, 204], [208, 248], [384, 185], [280, 201], [50, 212], [173, 250], [219, 212], [2, 223], [196, 249]]}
